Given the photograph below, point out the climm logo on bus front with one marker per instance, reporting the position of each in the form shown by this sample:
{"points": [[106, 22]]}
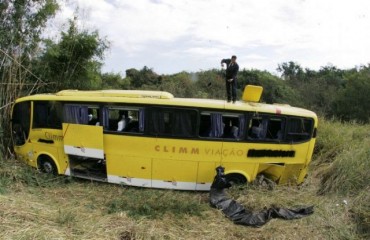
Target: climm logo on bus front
{"points": [[195, 150]]}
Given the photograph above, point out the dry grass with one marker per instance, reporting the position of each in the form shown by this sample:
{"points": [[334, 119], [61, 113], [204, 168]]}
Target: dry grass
{"points": [[78, 209]]}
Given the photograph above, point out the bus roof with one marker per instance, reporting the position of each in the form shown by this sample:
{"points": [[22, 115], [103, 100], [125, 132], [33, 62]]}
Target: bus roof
{"points": [[166, 99], [117, 93]]}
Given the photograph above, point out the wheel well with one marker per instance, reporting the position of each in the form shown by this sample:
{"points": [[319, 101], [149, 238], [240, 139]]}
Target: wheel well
{"points": [[44, 157], [237, 176]]}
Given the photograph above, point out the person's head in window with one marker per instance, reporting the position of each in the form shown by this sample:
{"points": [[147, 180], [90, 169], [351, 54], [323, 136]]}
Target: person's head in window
{"points": [[90, 114]]}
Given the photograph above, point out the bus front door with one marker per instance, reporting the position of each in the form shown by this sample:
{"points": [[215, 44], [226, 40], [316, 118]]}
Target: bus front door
{"points": [[83, 144]]}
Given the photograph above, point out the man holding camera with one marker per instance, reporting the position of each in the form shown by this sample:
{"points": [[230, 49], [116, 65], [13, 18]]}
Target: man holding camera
{"points": [[232, 69]]}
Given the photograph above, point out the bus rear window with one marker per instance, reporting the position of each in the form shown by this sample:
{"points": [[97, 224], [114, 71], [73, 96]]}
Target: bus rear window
{"points": [[299, 129]]}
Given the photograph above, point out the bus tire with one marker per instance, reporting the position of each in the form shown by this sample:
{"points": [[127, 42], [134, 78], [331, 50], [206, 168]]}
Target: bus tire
{"points": [[236, 179], [47, 165]]}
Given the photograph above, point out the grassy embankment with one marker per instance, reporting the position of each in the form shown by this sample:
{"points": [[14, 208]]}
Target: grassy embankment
{"points": [[36, 206]]}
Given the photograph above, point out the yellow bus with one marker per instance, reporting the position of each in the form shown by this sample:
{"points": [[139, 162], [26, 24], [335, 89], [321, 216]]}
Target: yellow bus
{"points": [[153, 139]]}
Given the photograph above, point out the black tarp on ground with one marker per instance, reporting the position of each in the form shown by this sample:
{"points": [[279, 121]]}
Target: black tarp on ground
{"points": [[239, 215]]}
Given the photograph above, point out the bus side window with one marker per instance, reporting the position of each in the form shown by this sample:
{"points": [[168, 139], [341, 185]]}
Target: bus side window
{"points": [[123, 119], [47, 114], [234, 126], [205, 126], [77, 114], [133, 121], [256, 129], [113, 118], [172, 122], [267, 128], [275, 128], [212, 125], [94, 116]]}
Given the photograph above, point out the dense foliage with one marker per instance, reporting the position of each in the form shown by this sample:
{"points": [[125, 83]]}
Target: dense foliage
{"points": [[329, 91], [30, 64], [22, 23], [72, 62]]}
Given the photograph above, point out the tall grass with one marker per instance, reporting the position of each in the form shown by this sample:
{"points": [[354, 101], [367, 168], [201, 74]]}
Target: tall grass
{"points": [[334, 137], [16, 175], [344, 167], [349, 173], [343, 157]]}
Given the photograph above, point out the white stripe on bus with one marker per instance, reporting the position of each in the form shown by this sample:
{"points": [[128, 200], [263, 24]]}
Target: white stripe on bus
{"points": [[84, 152], [142, 182]]}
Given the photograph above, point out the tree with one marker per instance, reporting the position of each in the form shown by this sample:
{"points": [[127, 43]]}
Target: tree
{"points": [[21, 25], [73, 62], [291, 71], [145, 78], [209, 84], [114, 81], [180, 84], [353, 101], [274, 89]]}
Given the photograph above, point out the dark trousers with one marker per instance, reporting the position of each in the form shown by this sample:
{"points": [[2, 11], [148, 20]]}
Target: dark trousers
{"points": [[231, 90]]}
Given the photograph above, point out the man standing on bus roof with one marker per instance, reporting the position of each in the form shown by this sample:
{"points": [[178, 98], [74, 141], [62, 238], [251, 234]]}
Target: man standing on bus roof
{"points": [[232, 69]]}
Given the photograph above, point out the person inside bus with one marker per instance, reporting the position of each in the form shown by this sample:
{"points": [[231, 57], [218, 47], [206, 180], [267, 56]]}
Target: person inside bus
{"points": [[92, 120], [90, 115], [234, 131], [256, 129], [122, 123], [231, 129]]}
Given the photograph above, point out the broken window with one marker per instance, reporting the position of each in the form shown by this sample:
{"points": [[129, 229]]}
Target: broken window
{"points": [[266, 128]]}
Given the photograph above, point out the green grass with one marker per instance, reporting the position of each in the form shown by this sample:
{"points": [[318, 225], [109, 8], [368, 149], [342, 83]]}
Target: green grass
{"points": [[343, 167], [153, 204], [38, 206]]}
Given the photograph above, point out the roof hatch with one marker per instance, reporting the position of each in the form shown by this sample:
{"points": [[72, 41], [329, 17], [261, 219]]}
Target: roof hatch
{"points": [[252, 93]]}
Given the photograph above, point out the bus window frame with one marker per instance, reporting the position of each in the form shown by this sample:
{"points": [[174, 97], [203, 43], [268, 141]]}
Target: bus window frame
{"points": [[309, 134], [284, 139], [224, 114], [121, 107], [20, 131], [148, 114], [47, 126], [269, 117]]}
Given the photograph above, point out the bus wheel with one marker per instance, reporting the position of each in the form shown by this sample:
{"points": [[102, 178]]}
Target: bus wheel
{"points": [[47, 165], [235, 179]]}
